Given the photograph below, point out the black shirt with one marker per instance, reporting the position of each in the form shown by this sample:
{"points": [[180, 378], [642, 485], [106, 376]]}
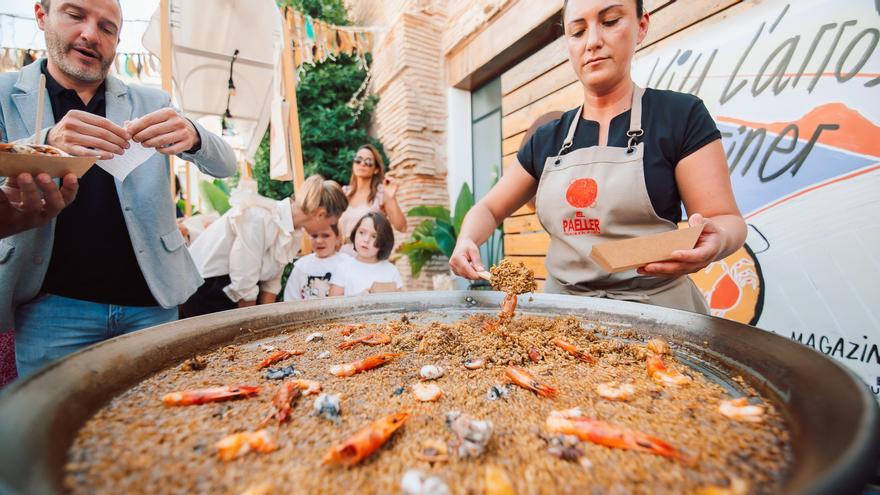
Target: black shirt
{"points": [[92, 257], [675, 125]]}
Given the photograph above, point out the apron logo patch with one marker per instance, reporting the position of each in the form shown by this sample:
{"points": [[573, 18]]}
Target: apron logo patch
{"points": [[580, 224], [582, 193]]}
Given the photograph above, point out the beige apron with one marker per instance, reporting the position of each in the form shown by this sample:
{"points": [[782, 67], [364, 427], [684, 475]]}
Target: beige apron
{"points": [[598, 194]]}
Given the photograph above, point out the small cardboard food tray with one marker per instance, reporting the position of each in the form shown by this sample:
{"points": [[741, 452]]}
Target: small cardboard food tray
{"points": [[620, 256], [12, 164]]}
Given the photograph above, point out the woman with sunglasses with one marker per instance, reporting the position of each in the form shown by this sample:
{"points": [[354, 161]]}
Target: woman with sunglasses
{"points": [[369, 190]]}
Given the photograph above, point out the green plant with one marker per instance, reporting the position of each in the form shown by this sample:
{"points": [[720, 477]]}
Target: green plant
{"points": [[215, 195], [330, 130], [437, 235]]}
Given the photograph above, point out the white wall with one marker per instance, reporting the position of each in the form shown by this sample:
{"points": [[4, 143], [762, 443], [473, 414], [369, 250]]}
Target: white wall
{"points": [[460, 165]]}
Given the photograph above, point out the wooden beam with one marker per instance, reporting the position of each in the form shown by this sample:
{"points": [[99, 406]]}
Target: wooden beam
{"points": [[288, 69], [534, 244], [289, 73], [652, 6], [512, 144], [522, 224], [677, 16], [541, 61], [165, 64], [553, 80], [514, 35], [563, 100], [187, 201]]}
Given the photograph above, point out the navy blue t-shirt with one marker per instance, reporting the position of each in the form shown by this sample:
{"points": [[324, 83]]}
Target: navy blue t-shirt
{"points": [[92, 256], [675, 125]]}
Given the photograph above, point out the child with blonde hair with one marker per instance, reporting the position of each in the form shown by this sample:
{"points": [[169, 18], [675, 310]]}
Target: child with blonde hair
{"points": [[242, 255], [312, 274]]}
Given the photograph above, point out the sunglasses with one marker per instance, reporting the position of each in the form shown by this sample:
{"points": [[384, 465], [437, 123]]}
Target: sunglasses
{"points": [[367, 161]]}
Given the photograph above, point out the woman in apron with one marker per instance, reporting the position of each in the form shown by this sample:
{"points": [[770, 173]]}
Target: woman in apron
{"points": [[617, 167]]}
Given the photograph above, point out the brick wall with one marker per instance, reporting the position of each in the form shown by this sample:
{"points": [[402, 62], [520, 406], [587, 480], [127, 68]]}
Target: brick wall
{"points": [[409, 77], [410, 119]]}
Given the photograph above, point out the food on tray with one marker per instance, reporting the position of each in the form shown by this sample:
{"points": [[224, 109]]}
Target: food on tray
{"points": [[277, 357], [616, 391], [513, 277], [239, 444], [372, 339], [572, 422], [448, 405], [658, 370], [740, 410], [366, 364], [286, 396], [203, 395], [31, 149], [574, 351], [366, 441], [427, 392], [524, 379]]}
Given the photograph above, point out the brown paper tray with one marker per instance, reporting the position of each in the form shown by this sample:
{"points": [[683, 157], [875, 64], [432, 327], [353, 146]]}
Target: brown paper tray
{"points": [[12, 164], [620, 256]]}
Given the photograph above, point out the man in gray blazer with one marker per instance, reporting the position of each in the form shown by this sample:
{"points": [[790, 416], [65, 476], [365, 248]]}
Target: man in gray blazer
{"points": [[113, 261]]}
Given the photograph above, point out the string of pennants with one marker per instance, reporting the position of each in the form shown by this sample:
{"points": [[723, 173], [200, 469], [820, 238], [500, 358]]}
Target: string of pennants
{"points": [[316, 41], [134, 65]]}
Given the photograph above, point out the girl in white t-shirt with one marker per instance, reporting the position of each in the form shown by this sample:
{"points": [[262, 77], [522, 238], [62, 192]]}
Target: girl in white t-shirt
{"points": [[369, 271], [313, 273]]}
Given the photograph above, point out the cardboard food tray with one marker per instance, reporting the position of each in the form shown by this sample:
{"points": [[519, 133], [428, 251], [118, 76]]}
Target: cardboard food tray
{"points": [[620, 256], [12, 164]]}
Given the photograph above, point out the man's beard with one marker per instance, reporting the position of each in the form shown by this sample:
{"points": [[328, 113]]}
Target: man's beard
{"points": [[58, 51]]}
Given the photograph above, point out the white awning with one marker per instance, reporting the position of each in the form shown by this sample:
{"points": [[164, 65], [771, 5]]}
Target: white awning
{"points": [[205, 34]]}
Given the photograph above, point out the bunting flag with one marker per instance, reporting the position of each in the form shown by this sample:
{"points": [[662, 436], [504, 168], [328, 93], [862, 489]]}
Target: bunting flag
{"points": [[316, 41], [131, 65]]}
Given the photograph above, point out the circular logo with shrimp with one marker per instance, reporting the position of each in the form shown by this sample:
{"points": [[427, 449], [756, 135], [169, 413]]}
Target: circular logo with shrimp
{"points": [[582, 193], [733, 287]]}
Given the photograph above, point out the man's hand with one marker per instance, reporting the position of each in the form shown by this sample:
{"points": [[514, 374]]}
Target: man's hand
{"points": [[166, 130], [23, 208], [84, 134]]}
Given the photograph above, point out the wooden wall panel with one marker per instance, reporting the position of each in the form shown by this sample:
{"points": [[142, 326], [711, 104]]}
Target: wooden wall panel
{"points": [[555, 79], [534, 244], [503, 32], [681, 15], [508, 161], [563, 99], [525, 210], [522, 224], [510, 146], [538, 63]]}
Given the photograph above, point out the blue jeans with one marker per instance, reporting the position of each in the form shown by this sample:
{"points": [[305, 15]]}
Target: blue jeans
{"points": [[50, 327]]}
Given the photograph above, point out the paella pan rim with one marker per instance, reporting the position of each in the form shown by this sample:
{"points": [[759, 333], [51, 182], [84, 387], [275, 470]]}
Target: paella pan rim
{"points": [[833, 416]]}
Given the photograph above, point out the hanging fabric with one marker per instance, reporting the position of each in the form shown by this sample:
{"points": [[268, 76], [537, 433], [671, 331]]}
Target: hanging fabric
{"points": [[315, 41]]}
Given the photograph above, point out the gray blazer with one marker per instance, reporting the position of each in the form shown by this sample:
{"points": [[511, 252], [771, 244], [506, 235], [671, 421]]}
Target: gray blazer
{"points": [[145, 197]]}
